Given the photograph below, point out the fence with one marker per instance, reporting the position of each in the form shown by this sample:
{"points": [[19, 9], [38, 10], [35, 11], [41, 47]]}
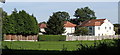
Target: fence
{"points": [[74, 38], [11, 37]]}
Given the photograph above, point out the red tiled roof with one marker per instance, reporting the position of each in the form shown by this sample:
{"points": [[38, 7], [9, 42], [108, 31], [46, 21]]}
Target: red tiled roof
{"points": [[42, 25], [93, 22], [69, 24], [66, 24]]}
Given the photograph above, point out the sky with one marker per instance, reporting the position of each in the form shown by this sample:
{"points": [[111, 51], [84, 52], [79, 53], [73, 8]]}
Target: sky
{"points": [[42, 10], [62, 0]]}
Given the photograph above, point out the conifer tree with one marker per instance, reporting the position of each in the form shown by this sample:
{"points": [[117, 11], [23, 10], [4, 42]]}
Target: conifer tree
{"points": [[55, 24], [20, 23]]}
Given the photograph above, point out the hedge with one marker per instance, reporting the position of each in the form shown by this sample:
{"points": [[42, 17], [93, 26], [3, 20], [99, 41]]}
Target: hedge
{"points": [[51, 38]]}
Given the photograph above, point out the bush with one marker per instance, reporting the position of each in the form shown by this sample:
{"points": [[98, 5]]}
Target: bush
{"points": [[51, 38]]}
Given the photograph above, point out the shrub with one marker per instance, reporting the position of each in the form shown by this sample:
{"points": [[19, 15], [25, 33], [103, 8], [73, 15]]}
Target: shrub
{"points": [[51, 38]]}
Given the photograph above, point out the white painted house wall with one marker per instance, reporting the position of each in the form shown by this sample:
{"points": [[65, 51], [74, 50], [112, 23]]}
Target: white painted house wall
{"points": [[69, 30], [42, 29], [106, 28]]}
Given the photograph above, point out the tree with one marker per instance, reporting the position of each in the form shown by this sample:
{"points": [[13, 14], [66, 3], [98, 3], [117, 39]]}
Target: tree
{"points": [[63, 15], [81, 31], [84, 14], [43, 22], [55, 24], [20, 23], [74, 21], [117, 28]]}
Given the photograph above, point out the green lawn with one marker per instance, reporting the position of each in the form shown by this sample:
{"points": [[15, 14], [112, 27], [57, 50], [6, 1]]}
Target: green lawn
{"points": [[44, 45]]}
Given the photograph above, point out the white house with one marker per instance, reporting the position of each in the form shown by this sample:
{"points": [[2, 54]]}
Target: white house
{"points": [[42, 27], [99, 27], [69, 27]]}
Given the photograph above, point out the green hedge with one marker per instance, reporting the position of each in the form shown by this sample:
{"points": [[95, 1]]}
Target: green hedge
{"points": [[51, 38]]}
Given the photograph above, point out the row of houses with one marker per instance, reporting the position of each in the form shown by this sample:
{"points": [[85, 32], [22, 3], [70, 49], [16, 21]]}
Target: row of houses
{"points": [[96, 27]]}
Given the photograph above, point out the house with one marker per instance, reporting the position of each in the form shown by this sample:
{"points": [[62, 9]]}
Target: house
{"points": [[99, 27], [69, 27], [42, 26]]}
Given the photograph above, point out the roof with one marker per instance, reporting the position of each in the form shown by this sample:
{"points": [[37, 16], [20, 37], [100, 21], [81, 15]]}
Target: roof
{"points": [[66, 24], [69, 24], [42, 25], [93, 22]]}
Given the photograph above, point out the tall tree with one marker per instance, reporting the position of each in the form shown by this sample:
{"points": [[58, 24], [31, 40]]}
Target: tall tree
{"points": [[63, 15], [20, 23], [84, 14], [55, 24]]}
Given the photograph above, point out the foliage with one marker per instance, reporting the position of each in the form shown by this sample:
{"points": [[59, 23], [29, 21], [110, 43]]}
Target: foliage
{"points": [[55, 24], [81, 31], [117, 28], [51, 38], [42, 22], [103, 47], [74, 21], [116, 25], [83, 14], [20, 23], [63, 15]]}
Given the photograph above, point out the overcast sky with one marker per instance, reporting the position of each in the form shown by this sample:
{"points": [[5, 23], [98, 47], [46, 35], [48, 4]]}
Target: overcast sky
{"points": [[42, 10]]}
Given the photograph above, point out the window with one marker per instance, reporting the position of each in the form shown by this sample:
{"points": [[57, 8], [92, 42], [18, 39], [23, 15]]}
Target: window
{"points": [[98, 34], [98, 28], [105, 27], [110, 28], [90, 28]]}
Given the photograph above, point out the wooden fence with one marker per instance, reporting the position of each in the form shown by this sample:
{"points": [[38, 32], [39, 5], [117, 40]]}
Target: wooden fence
{"points": [[20, 37], [75, 38]]}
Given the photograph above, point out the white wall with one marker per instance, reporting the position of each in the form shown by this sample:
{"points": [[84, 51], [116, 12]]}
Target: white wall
{"points": [[103, 30], [42, 29], [69, 30]]}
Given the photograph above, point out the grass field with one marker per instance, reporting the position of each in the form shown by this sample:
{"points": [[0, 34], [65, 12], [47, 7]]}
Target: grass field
{"points": [[45, 45]]}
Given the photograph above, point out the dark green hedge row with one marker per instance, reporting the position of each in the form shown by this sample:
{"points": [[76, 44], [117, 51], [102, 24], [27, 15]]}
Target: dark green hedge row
{"points": [[51, 38]]}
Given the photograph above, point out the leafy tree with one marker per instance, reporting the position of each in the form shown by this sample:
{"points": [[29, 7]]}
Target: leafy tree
{"points": [[81, 31], [55, 24], [63, 15], [84, 14], [74, 21]]}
